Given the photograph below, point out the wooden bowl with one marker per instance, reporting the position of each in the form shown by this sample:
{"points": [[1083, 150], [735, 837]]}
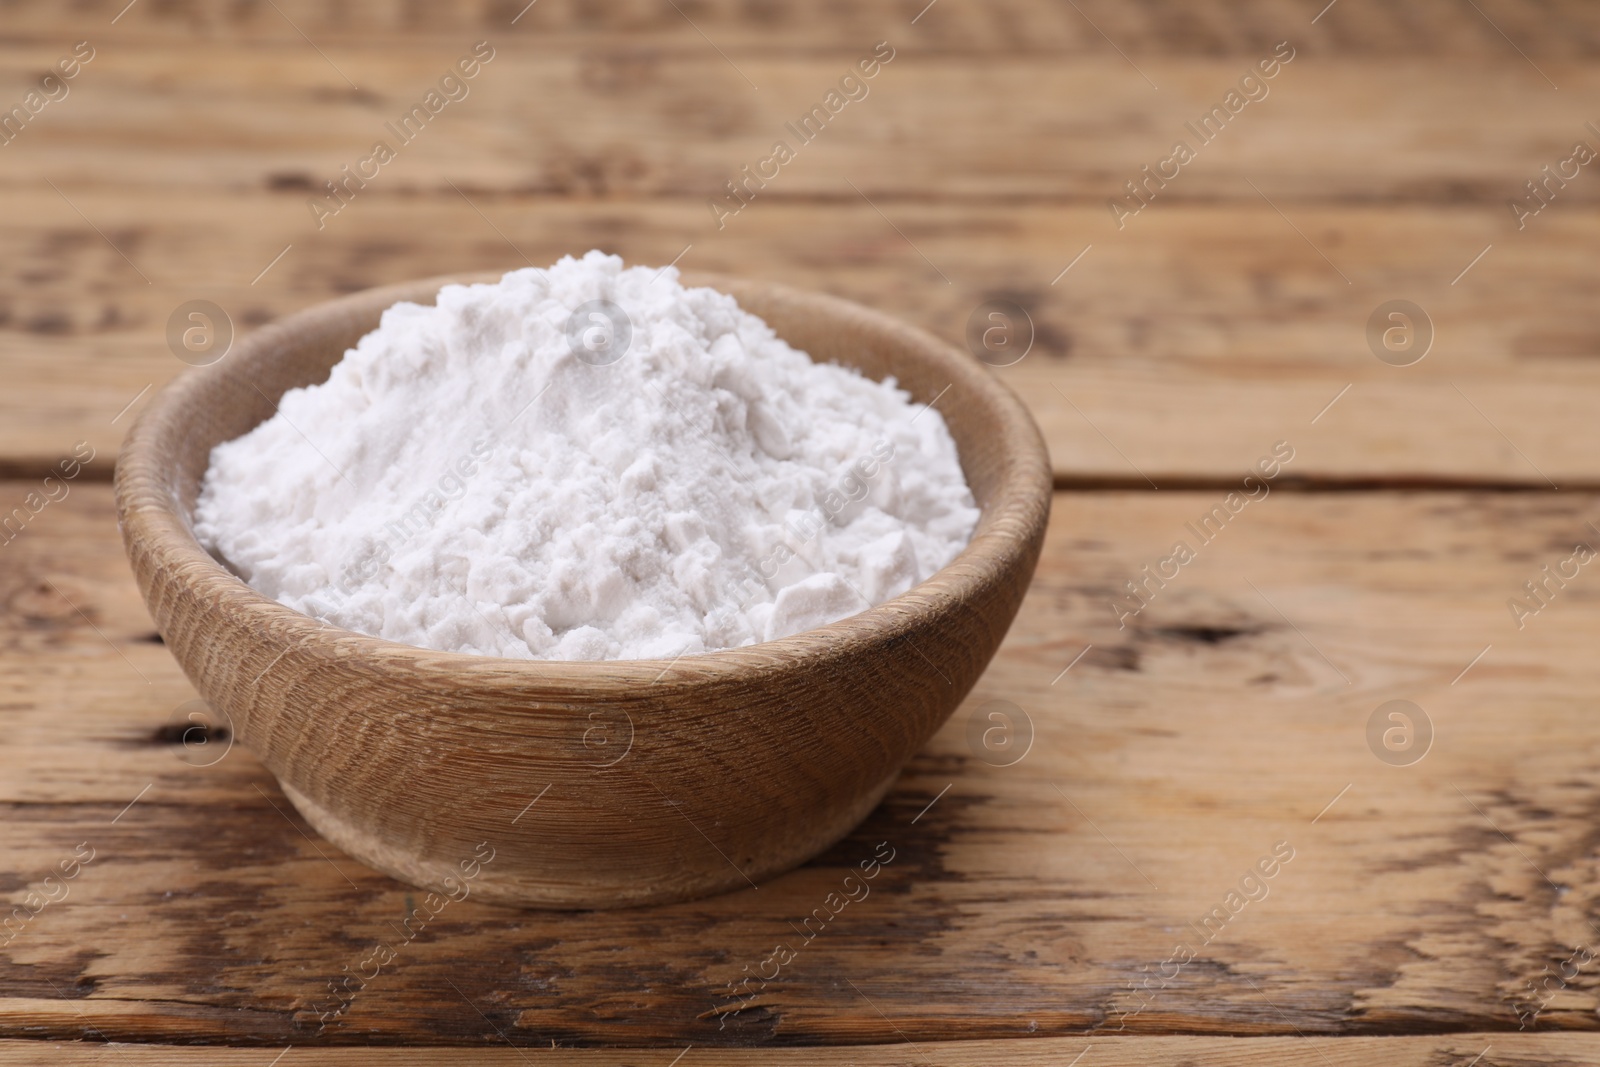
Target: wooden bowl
{"points": [[593, 784]]}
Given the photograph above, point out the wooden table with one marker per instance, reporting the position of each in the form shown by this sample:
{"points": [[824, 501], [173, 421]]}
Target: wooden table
{"points": [[1433, 896]]}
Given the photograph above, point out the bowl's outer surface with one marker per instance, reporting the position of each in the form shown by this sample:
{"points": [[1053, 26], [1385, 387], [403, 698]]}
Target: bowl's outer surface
{"points": [[655, 780]]}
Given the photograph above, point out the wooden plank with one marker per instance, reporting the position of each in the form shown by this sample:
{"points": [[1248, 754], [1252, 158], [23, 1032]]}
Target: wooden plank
{"points": [[1553, 29], [1045, 897], [1550, 1050], [668, 123], [1025, 900], [1176, 352]]}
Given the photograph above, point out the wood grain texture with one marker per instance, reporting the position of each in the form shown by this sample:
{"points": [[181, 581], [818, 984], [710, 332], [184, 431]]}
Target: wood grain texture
{"points": [[1180, 352], [1427, 897], [1505, 1050], [1024, 900], [1390, 145], [665, 123], [1550, 29]]}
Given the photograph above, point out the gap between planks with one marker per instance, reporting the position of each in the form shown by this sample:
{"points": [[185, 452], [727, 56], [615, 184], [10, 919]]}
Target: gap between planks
{"points": [[1551, 1050]]}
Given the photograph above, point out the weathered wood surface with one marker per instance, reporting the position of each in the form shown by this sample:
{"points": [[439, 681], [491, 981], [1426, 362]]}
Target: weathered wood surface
{"points": [[993, 141], [665, 122], [1505, 1050], [1550, 29], [1172, 353], [1028, 901], [1021, 900]]}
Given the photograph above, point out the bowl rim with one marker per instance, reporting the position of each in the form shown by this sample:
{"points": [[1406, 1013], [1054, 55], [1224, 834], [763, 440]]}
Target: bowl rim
{"points": [[151, 516]]}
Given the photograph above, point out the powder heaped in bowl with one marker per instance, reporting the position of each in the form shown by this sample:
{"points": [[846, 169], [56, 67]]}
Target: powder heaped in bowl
{"points": [[470, 478]]}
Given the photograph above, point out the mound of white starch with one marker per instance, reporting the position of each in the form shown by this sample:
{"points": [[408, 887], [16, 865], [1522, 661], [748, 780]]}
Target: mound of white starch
{"points": [[496, 475]]}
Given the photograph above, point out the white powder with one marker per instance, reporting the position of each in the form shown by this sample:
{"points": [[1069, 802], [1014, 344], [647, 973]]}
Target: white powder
{"points": [[464, 481]]}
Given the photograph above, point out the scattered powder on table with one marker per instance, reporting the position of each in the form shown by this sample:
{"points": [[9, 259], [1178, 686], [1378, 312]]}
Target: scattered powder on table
{"points": [[483, 476]]}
